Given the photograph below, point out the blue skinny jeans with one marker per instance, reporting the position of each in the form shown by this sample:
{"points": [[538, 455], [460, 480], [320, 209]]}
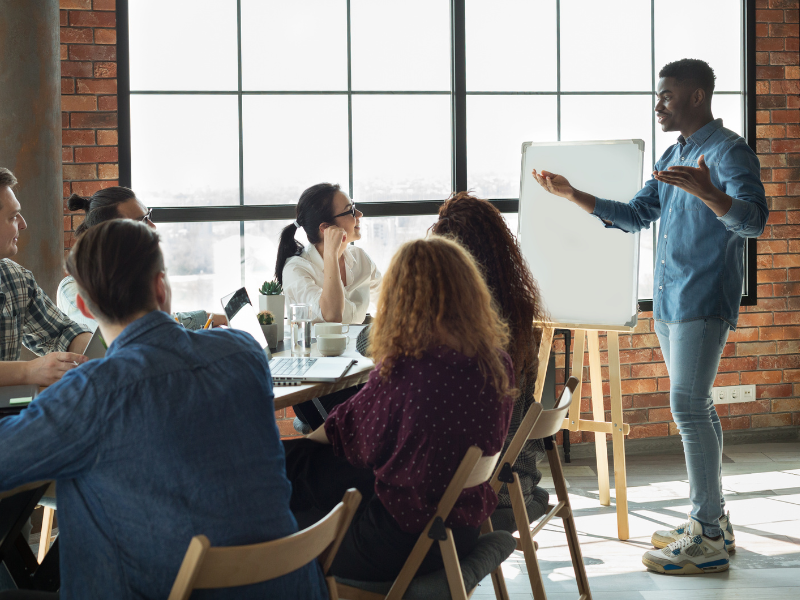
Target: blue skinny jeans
{"points": [[692, 350]]}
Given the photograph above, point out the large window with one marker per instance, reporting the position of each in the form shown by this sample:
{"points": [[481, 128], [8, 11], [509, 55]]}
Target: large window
{"points": [[231, 108]]}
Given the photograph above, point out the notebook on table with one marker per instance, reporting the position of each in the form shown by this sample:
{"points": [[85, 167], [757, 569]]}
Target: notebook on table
{"points": [[285, 370], [13, 398]]}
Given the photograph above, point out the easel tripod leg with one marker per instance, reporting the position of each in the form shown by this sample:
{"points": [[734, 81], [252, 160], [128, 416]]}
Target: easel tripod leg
{"points": [[617, 435], [601, 450]]}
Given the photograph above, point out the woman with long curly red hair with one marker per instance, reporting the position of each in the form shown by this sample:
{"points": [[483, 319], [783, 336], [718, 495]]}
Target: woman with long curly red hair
{"points": [[442, 383], [481, 229]]}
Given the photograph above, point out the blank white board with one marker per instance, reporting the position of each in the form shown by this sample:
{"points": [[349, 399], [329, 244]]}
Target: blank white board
{"points": [[587, 273]]}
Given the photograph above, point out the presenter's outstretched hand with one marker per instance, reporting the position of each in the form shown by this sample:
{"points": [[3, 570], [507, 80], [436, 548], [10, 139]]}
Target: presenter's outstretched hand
{"points": [[695, 181], [554, 183], [48, 369]]}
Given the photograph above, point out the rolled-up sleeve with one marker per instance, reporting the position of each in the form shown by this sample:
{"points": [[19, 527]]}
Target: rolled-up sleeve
{"points": [[740, 178], [45, 328], [643, 209]]}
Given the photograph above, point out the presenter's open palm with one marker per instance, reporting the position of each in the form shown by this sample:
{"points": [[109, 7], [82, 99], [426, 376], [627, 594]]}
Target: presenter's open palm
{"points": [[695, 181], [554, 183]]}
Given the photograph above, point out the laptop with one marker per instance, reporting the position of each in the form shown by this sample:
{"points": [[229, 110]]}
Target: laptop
{"points": [[14, 398], [96, 348], [285, 370]]}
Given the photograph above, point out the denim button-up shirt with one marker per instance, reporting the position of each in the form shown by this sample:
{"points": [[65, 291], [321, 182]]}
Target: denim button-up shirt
{"points": [[699, 257], [171, 435]]}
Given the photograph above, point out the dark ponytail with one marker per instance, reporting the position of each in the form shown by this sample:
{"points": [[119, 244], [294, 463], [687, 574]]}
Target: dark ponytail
{"points": [[100, 207], [314, 208]]}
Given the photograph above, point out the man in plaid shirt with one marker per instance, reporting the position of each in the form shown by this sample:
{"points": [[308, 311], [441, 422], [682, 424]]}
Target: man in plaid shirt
{"points": [[27, 316]]}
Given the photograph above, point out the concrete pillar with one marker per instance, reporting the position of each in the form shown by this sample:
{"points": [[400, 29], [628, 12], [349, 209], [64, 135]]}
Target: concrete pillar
{"points": [[30, 130]]}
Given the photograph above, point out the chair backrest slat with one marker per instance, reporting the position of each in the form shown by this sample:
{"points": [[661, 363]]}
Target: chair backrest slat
{"points": [[482, 471], [549, 422]]}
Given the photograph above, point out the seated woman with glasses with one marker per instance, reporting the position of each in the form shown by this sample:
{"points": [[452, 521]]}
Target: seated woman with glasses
{"points": [[442, 383], [478, 226], [334, 279], [116, 203]]}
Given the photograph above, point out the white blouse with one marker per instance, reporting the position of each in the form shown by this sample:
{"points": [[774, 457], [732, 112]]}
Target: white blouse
{"points": [[303, 277]]}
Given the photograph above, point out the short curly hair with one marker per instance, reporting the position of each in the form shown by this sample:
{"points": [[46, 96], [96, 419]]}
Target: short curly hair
{"points": [[691, 70]]}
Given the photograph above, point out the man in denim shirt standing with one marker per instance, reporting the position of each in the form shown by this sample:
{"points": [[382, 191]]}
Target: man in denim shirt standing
{"points": [[706, 213], [171, 435]]}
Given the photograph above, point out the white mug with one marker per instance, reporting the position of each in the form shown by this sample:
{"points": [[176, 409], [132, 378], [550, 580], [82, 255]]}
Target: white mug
{"points": [[332, 344], [323, 328]]}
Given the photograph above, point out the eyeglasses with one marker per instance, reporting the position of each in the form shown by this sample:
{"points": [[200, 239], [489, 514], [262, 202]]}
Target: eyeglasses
{"points": [[147, 216], [350, 211]]}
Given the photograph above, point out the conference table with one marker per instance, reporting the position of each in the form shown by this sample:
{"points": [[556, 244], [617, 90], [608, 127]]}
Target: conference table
{"points": [[289, 395]]}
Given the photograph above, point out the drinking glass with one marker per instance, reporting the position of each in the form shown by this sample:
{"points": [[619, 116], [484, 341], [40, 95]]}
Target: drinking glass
{"points": [[300, 325]]}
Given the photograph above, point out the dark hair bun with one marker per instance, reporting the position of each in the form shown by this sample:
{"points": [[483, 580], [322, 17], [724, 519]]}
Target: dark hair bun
{"points": [[77, 202]]}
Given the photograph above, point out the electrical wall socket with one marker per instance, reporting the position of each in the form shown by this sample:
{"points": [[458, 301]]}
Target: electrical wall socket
{"points": [[731, 394]]}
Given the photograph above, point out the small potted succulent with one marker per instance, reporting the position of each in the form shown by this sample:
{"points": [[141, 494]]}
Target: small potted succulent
{"points": [[270, 328], [271, 298]]}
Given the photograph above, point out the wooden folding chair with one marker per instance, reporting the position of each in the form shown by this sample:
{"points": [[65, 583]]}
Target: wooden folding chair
{"points": [[205, 567], [473, 470], [542, 424]]}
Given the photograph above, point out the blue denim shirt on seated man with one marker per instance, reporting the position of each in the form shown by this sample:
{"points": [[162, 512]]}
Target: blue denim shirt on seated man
{"points": [[706, 213], [171, 435]]}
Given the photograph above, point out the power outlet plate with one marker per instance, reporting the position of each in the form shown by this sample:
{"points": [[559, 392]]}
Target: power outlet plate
{"points": [[731, 394]]}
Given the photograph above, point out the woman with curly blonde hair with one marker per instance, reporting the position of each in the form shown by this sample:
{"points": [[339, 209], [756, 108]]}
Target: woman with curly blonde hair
{"points": [[442, 383]]}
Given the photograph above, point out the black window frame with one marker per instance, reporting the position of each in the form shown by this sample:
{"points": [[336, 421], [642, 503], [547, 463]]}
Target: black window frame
{"points": [[458, 95]]}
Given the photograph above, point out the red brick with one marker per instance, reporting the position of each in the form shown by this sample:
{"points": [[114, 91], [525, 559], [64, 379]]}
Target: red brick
{"points": [[784, 87], [72, 172], [63, 18], [723, 379], [749, 408], [755, 348], [769, 44], [66, 154], [746, 363], [655, 415], [105, 36], [760, 377], [744, 335], [787, 318], [110, 171], [107, 103], [792, 131], [663, 384], [770, 131], [647, 340], [67, 86], [647, 431], [673, 429], [793, 216], [93, 53], [780, 333], [638, 386], [762, 58], [104, 70], [783, 58], [87, 188], [764, 261], [792, 72], [787, 346], [786, 405], [635, 356], [791, 16], [783, 390], [785, 116], [733, 423], [755, 319], [770, 275], [75, 4], [105, 5], [763, 101], [786, 30], [650, 400], [649, 370], [722, 409], [775, 189], [97, 86], [78, 103], [107, 137], [764, 290], [76, 35], [772, 160], [76, 69], [772, 304], [107, 19], [792, 45], [77, 137], [780, 420], [96, 120], [762, 30], [769, 16], [786, 361], [772, 3], [96, 154], [785, 260], [787, 231], [771, 72], [791, 375]]}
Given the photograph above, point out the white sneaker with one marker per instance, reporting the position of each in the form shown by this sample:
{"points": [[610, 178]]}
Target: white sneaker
{"points": [[692, 554], [663, 538]]}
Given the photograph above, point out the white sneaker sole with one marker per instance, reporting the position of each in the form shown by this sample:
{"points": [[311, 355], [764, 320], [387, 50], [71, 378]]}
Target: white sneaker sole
{"points": [[688, 568]]}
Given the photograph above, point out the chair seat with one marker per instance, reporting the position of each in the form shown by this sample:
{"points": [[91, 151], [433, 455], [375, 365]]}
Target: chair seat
{"points": [[489, 553]]}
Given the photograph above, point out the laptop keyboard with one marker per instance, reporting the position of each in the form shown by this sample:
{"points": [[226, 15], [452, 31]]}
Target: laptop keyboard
{"points": [[291, 367]]}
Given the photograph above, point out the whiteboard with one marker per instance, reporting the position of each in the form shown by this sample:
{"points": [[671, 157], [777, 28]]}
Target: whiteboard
{"points": [[587, 274]]}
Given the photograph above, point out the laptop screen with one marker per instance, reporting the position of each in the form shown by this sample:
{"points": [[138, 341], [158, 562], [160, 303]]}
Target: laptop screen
{"points": [[241, 315]]}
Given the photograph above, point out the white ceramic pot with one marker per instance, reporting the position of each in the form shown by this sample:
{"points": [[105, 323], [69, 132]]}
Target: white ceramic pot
{"points": [[271, 333], [277, 306]]}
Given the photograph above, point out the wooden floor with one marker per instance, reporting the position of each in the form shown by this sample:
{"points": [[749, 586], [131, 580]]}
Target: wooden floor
{"points": [[762, 491]]}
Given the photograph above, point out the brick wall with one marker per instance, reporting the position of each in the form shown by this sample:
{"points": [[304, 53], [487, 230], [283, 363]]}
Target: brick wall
{"points": [[88, 101], [764, 351]]}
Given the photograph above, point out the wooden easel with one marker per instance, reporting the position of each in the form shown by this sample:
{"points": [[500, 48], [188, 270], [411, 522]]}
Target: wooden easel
{"points": [[598, 425]]}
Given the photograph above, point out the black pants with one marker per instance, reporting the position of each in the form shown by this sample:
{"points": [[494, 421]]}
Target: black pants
{"points": [[309, 414], [374, 547]]}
